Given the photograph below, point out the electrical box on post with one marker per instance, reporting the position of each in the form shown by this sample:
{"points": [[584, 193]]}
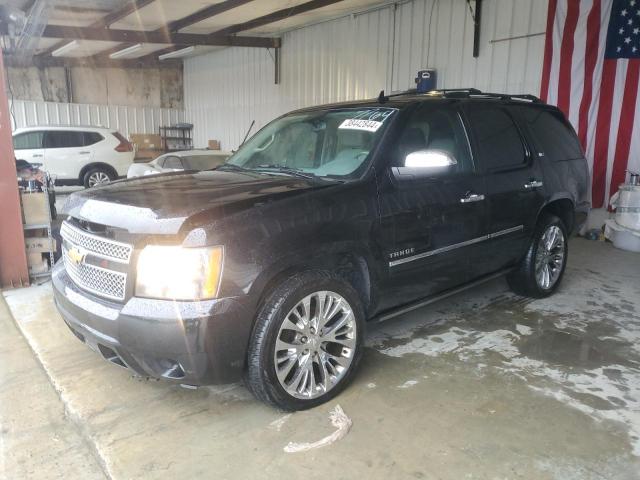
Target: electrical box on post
{"points": [[427, 80]]}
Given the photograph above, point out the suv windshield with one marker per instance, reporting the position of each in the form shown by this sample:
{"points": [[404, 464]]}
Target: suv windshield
{"points": [[324, 143]]}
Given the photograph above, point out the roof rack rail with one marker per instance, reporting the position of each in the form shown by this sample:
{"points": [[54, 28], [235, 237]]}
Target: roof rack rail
{"points": [[507, 96], [460, 93]]}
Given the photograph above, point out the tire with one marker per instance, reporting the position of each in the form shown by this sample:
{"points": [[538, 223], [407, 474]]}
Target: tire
{"points": [[529, 278], [97, 174], [327, 378]]}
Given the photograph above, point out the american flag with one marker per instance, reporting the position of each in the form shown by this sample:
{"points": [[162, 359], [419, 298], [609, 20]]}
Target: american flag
{"points": [[591, 71]]}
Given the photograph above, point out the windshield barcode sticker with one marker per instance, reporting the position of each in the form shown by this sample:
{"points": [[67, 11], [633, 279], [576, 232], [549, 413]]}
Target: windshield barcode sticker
{"points": [[358, 124]]}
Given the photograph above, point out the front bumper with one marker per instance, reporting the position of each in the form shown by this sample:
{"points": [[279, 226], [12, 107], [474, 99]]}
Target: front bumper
{"points": [[194, 343]]}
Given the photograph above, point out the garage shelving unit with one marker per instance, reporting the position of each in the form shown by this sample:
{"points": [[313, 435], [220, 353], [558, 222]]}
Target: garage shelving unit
{"points": [[176, 138], [44, 226]]}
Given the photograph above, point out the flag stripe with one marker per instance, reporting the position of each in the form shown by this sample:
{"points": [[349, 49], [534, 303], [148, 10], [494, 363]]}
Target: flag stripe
{"points": [[614, 127], [548, 50], [603, 122], [625, 128], [591, 57], [578, 61], [566, 55]]}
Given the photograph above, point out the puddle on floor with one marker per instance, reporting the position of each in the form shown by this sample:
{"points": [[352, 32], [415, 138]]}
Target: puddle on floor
{"points": [[570, 349]]}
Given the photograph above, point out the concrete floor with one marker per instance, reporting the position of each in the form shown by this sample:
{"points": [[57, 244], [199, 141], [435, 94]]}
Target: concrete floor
{"points": [[485, 385]]}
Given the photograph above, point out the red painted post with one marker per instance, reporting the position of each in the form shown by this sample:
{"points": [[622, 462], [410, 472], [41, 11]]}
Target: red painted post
{"points": [[13, 257]]}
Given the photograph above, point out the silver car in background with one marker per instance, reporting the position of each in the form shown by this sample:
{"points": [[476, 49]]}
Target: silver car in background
{"points": [[179, 161]]}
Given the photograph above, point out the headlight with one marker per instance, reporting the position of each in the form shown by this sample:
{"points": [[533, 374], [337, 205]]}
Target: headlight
{"points": [[179, 273]]}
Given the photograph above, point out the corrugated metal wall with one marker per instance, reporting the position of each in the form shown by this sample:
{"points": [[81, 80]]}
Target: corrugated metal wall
{"points": [[126, 120], [356, 56]]}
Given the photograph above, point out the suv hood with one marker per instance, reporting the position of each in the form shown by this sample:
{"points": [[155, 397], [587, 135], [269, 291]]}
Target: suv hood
{"points": [[160, 204]]}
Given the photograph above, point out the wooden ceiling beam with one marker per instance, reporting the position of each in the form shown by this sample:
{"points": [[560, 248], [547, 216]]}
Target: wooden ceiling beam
{"points": [[204, 14], [176, 25], [137, 36], [130, 7], [273, 17], [43, 62]]}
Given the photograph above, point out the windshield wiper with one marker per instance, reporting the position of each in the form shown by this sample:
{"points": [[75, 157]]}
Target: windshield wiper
{"points": [[282, 169], [230, 166]]}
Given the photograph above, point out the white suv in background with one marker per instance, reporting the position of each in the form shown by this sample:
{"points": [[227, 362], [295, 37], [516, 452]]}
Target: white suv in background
{"points": [[86, 156]]}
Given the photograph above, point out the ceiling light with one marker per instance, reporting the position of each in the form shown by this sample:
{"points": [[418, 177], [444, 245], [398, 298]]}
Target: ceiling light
{"points": [[59, 52], [126, 51], [178, 53]]}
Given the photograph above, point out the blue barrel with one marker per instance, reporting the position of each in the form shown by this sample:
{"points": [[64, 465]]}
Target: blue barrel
{"points": [[427, 80]]}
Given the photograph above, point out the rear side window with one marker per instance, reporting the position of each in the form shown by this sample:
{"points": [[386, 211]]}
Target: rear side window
{"points": [[28, 141], [552, 135], [91, 138], [497, 138], [203, 162], [63, 139], [172, 162]]}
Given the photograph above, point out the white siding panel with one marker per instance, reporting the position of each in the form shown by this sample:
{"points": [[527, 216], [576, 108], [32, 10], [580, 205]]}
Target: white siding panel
{"points": [[355, 57], [126, 120]]}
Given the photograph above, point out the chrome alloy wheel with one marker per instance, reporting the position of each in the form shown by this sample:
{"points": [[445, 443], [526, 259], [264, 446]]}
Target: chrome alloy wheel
{"points": [[315, 345], [550, 257], [98, 178]]}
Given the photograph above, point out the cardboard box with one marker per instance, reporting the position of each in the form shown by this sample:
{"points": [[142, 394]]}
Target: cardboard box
{"points": [[144, 141], [35, 208], [39, 244], [37, 263], [144, 156], [214, 144]]}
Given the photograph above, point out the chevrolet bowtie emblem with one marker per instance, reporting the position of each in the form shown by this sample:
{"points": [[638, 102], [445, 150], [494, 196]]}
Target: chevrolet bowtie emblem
{"points": [[76, 255]]}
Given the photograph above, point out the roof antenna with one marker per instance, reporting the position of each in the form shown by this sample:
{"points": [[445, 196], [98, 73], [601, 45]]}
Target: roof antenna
{"points": [[382, 98]]}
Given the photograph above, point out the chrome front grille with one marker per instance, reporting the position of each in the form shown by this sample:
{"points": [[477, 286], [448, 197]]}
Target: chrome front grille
{"points": [[101, 281], [98, 246]]}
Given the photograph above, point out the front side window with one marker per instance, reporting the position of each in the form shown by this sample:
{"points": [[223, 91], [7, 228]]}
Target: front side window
{"points": [[28, 141], [497, 137], [435, 128], [63, 139], [325, 143]]}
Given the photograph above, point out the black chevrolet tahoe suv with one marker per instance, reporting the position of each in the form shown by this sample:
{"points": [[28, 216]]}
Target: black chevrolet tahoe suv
{"points": [[268, 267]]}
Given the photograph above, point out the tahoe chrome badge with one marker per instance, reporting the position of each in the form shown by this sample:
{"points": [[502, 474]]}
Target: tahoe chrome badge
{"points": [[402, 253]]}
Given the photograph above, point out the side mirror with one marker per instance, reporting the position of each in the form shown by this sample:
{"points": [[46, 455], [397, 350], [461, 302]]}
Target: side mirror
{"points": [[424, 164]]}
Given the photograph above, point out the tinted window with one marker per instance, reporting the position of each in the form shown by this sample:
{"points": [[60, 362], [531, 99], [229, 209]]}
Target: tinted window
{"points": [[203, 162], [551, 134], [63, 139], [91, 138], [172, 162], [432, 128], [332, 143], [497, 137], [27, 141]]}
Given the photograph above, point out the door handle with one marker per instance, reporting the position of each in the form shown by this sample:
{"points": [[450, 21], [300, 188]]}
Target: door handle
{"points": [[472, 197], [37, 155], [533, 184], [85, 153]]}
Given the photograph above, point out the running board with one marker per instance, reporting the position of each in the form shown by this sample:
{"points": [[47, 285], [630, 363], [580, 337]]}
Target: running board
{"points": [[441, 296]]}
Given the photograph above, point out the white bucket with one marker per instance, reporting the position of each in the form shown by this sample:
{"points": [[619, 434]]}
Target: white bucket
{"points": [[627, 204], [622, 237]]}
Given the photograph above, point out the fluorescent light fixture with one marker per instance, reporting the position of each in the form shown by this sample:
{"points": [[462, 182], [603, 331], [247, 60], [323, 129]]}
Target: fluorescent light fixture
{"points": [[178, 53], [65, 49], [126, 51]]}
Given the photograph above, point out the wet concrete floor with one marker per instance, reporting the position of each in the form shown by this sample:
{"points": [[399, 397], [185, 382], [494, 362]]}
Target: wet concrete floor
{"points": [[485, 385]]}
